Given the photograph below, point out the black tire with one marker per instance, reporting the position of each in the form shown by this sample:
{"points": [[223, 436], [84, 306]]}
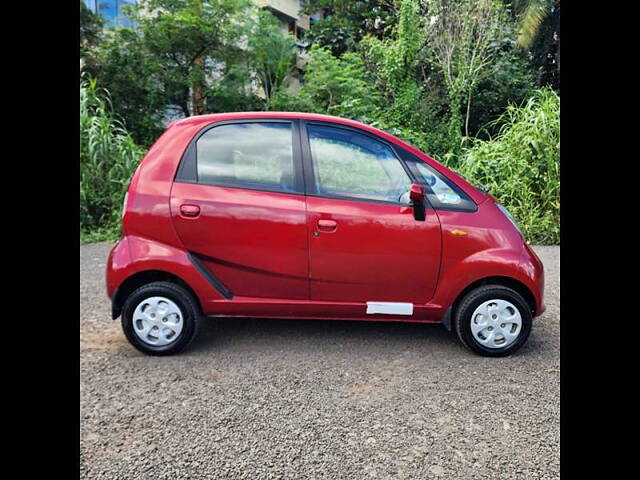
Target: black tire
{"points": [[471, 301], [183, 299]]}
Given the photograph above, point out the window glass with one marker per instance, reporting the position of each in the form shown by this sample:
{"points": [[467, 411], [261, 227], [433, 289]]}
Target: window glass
{"points": [[108, 9], [443, 192], [249, 155], [347, 163]]}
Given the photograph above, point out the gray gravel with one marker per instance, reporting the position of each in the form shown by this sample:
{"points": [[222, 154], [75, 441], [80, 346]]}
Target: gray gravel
{"points": [[316, 399]]}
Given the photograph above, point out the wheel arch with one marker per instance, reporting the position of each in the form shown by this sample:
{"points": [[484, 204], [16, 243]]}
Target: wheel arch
{"points": [[138, 279], [508, 282]]}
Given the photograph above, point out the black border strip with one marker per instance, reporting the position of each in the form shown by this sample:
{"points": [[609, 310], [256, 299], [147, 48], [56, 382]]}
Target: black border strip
{"points": [[204, 271]]}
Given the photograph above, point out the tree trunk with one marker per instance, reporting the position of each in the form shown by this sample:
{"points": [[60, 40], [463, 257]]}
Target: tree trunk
{"points": [[183, 103], [466, 120], [198, 99], [455, 125], [197, 92]]}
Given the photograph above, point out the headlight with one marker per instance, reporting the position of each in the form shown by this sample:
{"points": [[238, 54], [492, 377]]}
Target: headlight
{"points": [[510, 217]]}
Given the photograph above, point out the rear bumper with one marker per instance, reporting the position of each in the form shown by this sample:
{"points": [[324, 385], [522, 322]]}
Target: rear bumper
{"points": [[117, 263]]}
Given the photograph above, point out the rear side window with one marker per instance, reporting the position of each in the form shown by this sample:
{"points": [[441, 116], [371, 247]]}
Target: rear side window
{"points": [[248, 155]]}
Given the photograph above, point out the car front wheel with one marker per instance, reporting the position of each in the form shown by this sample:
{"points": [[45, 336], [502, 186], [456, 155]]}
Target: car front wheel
{"points": [[493, 320]]}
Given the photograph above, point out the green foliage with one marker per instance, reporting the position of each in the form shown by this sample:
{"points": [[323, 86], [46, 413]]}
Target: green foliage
{"points": [[347, 22], [531, 14], [137, 91], [161, 62], [333, 86], [426, 72], [90, 28], [521, 165], [108, 158], [231, 94], [413, 93], [509, 79], [271, 54]]}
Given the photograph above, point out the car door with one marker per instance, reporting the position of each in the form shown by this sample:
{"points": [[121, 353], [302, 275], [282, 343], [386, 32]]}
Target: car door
{"points": [[365, 244], [238, 207]]}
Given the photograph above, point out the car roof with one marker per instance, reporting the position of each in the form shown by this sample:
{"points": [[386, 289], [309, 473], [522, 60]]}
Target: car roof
{"points": [[217, 117]]}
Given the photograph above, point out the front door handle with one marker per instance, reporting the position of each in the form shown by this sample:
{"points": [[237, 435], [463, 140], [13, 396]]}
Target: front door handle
{"points": [[327, 225], [189, 210]]}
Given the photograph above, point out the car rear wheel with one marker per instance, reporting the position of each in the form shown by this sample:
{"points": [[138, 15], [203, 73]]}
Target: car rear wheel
{"points": [[160, 318], [493, 320]]}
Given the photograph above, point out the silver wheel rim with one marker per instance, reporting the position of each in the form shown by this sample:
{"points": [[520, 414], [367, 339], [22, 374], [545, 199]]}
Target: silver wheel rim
{"points": [[157, 321], [496, 323]]}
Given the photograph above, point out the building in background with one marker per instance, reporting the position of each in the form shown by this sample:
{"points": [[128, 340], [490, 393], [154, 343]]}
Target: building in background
{"points": [[287, 11], [111, 11]]}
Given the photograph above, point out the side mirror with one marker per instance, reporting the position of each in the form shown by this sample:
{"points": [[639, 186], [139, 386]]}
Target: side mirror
{"points": [[416, 194]]}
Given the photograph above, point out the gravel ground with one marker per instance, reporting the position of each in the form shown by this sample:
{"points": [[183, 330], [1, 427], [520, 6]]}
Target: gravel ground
{"points": [[316, 399]]}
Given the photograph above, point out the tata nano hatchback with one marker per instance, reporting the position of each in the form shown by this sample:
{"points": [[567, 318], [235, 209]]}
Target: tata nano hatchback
{"points": [[303, 216]]}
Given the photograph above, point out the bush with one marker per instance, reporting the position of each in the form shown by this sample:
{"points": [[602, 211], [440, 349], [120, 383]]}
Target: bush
{"points": [[332, 86], [108, 158], [521, 165]]}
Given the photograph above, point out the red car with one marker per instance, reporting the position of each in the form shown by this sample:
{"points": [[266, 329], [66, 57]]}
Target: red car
{"points": [[295, 215]]}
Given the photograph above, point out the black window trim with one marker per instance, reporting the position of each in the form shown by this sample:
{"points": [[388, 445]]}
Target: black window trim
{"points": [[187, 171], [307, 162]]}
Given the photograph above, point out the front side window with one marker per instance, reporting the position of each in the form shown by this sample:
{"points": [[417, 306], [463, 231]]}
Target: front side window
{"points": [[248, 155], [351, 164]]}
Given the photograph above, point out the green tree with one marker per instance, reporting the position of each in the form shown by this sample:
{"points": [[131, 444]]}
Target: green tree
{"points": [[346, 23], [90, 29], [140, 93], [462, 38], [393, 60], [271, 54], [172, 58], [539, 33], [531, 15], [510, 79], [333, 86], [183, 33]]}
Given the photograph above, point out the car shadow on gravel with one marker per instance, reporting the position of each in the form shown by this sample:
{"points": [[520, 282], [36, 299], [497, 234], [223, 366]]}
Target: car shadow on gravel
{"points": [[222, 334], [226, 332]]}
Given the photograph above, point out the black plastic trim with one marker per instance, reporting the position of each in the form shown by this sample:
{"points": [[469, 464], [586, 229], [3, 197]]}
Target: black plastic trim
{"points": [[188, 170], [116, 306], [446, 320], [210, 277]]}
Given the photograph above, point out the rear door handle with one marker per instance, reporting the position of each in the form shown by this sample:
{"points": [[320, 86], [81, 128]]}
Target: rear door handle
{"points": [[189, 210], [327, 225]]}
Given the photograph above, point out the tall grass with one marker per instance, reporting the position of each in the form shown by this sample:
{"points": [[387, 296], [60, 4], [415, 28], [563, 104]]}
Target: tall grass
{"points": [[108, 158], [521, 165]]}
